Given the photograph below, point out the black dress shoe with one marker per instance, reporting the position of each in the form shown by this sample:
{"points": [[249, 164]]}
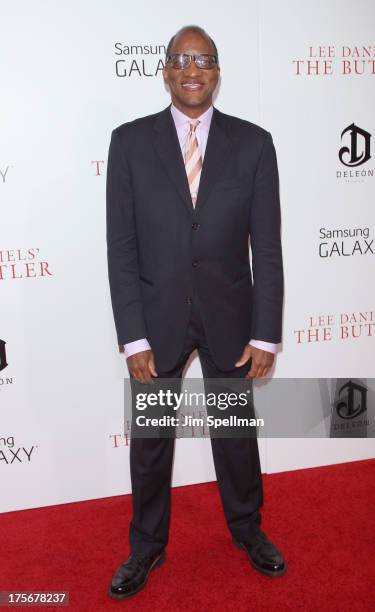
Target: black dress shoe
{"points": [[132, 575], [263, 555]]}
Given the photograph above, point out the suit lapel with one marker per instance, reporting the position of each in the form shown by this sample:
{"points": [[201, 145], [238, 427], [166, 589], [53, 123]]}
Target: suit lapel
{"points": [[217, 152], [168, 148]]}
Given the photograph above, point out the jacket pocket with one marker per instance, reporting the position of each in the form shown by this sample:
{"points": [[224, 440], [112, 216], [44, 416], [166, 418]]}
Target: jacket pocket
{"points": [[145, 280], [233, 183]]}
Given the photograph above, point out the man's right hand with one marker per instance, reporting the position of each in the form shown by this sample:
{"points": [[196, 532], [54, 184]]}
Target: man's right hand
{"points": [[142, 366]]}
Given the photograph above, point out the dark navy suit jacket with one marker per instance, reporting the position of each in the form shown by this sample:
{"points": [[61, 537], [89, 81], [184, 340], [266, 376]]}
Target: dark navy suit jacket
{"points": [[161, 249]]}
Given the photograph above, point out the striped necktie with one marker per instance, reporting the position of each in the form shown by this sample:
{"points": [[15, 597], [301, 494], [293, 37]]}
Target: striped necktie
{"points": [[193, 161]]}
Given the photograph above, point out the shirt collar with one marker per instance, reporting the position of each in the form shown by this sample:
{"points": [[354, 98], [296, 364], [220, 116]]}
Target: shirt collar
{"points": [[181, 119]]}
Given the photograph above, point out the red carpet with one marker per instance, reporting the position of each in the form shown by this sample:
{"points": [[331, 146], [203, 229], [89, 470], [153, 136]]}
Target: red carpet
{"points": [[322, 520]]}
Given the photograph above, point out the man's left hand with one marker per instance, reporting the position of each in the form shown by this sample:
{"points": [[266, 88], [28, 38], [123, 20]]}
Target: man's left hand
{"points": [[261, 361]]}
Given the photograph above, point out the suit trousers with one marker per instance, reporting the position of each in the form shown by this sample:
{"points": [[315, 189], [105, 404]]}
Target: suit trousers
{"points": [[236, 461]]}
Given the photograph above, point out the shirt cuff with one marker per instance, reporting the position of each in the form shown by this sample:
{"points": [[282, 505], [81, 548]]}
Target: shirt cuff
{"points": [[265, 346], [131, 348]]}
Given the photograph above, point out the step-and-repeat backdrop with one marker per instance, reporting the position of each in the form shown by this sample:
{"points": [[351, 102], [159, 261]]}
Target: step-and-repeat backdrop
{"points": [[70, 73]]}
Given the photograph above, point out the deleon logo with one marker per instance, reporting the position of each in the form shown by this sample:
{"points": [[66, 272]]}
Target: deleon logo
{"points": [[351, 400], [358, 150], [3, 355]]}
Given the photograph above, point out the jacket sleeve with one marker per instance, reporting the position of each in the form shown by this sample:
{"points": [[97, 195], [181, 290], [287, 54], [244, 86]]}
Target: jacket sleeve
{"points": [[265, 240], [122, 252]]}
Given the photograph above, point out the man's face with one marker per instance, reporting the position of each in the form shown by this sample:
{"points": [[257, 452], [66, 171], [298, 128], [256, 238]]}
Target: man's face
{"points": [[192, 88]]}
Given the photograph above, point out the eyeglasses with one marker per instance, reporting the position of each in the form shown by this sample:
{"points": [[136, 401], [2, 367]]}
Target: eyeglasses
{"points": [[183, 60]]}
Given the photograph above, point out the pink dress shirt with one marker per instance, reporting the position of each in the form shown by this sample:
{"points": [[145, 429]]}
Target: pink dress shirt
{"points": [[181, 122]]}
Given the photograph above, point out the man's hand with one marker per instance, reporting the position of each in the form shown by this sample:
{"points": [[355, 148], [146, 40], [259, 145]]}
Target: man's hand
{"points": [[142, 366], [261, 361]]}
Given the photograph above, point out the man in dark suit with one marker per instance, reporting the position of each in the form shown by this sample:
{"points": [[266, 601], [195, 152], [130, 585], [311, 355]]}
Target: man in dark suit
{"points": [[186, 189]]}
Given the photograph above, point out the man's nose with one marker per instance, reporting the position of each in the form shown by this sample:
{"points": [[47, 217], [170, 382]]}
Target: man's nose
{"points": [[192, 70]]}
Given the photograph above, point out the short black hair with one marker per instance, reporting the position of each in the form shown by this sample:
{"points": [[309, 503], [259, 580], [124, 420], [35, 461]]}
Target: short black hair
{"points": [[193, 28]]}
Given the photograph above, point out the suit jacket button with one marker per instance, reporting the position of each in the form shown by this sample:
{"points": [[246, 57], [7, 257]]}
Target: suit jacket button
{"points": [[194, 264], [188, 300], [195, 226]]}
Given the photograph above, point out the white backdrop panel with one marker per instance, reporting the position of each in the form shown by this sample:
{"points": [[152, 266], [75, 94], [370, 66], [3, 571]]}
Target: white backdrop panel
{"points": [[61, 394]]}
